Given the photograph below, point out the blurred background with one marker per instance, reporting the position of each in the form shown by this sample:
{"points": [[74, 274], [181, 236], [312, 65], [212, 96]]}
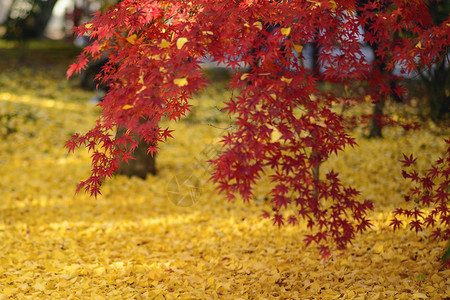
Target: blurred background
{"points": [[54, 19]]}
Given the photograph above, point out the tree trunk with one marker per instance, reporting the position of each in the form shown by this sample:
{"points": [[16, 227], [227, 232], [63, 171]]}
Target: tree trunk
{"points": [[31, 24], [376, 128], [439, 93], [43, 17], [142, 164], [315, 59]]}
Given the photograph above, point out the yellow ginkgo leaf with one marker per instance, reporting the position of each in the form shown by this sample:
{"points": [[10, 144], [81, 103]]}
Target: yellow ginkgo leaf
{"points": [[298, 48], [436, 278], [286, 31], [127, 106], [155, 57], [99, 271], [181, 81], [39, 286], [287, 80], [142, 89], [97, 297], [181, 41], [419, 45], [333, 5], [164, 44], [210, 281], [7, 291], [244, 76], [88, 25], [132, 39], [275, 135], [258, 25]]}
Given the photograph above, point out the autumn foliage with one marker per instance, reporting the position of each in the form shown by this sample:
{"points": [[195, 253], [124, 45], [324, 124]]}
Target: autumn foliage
{"points": [[431, 195], [285, 128]]}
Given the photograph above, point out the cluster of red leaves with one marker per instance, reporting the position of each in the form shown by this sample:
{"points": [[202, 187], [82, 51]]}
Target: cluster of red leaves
{"points": [[155, 48], [431, 194]]}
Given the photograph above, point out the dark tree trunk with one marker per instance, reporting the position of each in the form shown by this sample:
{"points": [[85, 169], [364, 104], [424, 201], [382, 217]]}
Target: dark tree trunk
{"points": [[87, 76], [437, 83], [436, 86], [376, 126], [142, 164], [315, 59], [43, 17], [440, 103], [29, 24]]}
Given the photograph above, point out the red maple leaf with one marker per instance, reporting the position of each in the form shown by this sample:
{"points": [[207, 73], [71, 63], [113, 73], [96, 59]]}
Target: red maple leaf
{"points": [[278, 220], [416, 225], [408, 161], [395, 223], [78, 66]]}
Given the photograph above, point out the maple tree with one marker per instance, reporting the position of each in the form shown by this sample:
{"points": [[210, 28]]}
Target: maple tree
{"points": [[285, 127]]}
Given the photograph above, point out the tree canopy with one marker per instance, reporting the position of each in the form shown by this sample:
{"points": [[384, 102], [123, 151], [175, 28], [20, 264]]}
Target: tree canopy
{"points": [[285, 127]]}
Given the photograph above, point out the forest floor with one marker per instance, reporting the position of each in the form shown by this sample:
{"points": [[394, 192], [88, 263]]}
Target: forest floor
{"points": [[140, 241]]}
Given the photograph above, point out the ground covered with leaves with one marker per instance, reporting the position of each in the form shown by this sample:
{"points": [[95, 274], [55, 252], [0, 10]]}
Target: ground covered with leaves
{"points": [[160, 239]]}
